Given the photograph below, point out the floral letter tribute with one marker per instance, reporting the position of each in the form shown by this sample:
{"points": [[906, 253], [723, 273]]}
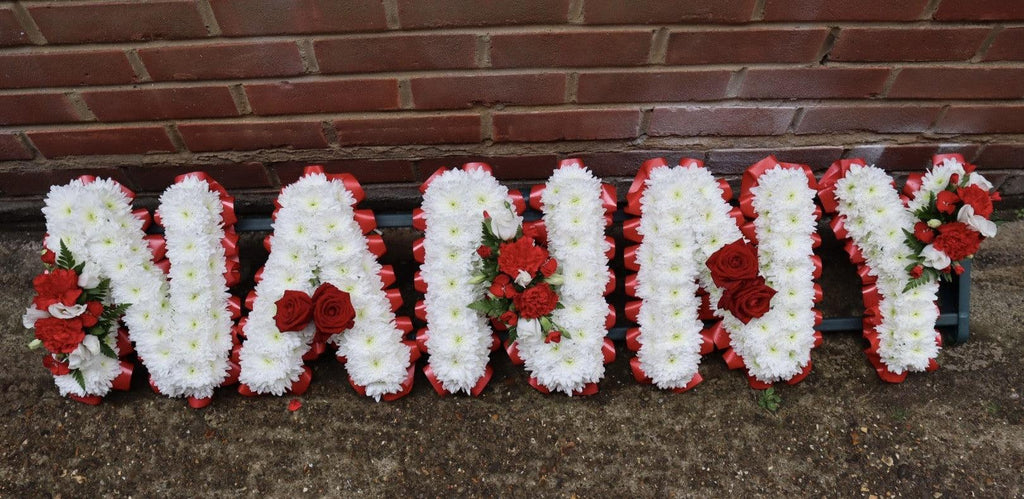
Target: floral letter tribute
{"points": [[322, 283]]}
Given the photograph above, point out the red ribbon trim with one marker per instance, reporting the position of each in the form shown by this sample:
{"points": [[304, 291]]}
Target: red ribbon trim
{"points": [[638, 372], [608, 351], [512, 349]]}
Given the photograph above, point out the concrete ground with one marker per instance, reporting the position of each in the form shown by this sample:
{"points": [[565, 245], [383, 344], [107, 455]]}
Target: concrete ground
{"points": [[956, 432]]}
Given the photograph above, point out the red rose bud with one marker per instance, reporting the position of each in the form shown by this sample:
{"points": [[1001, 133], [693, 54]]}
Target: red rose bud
{"points": [[49, 257], [958, 268], [954, 179], [332, 310], [977, 198], [58, 286], [969, 168], [549, 267], [553, 337], [736, 261], [484, 251], [55, 366], [294, 311], [923, 233], [946, 202], [509, 318], [917, 271], [995, 196], [500, 286]]}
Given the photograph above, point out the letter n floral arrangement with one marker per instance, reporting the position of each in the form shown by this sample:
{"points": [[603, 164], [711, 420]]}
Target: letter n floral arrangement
{"points": [[902, 247]]}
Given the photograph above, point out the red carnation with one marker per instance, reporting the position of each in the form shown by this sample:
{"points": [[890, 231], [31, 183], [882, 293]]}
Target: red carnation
{"points": [[521, 254], [946, 202], [49, 257], [736, 261], [502, 287], [91, 316], [294, 311], [553, 337], [57, 286], [484, 251], [60, 335], [917, 271], [957, 240], [509, 318], [536, 301], [55, 366], [549, 267], [747, 299], [978, 198], [923, 232], [332, 310]]}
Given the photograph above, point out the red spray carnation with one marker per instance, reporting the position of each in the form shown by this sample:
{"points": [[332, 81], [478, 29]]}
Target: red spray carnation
{"points": [[60, 335], [978, 198], [521, 254], [502, 287], [957, 240], [549, 267], [58, 286], [946, 201], [923, 232], [536, 301]]}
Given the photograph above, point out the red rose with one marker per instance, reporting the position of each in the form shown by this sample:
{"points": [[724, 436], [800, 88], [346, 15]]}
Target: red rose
{"points": [[923, 232], [332, 310], [93, 311], [509, 318], [58, 286], [60, 335], [957, 240], [521, 254], [553, 337], [917, 271], [946, 201], [747, 299], [536, 301], [978, 198], [736, 261], [549, 267], [55, 366], [294, 311], [484, 251]]}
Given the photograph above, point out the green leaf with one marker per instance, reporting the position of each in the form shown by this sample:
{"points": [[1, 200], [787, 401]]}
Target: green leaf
{"points": [[106, 350], [482, 306], [77, 374], [769, 400], [512, 334], [65, 260]]}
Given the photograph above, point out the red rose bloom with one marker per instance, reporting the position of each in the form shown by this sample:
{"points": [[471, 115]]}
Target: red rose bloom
{"points": [[957, 240], [747, 299], [294, 311], [93, 311], [521, 254], [332, 310], [536, 301], [549, 267], [58, 286], [945, 202], [978, 198], [736, 261], [509, 317], [923, 232], [60, 335]]}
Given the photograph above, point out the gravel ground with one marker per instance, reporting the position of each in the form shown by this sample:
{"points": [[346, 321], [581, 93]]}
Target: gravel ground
{"points": [[956, 432]]}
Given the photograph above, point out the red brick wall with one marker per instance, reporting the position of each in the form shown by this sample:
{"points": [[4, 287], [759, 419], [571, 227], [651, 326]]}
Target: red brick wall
{"points": [[390, 89]]}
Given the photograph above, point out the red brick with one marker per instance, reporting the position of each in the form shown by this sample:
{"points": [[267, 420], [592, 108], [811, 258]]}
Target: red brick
{"points": [[577, 124], [1003, 118], [573, 49], [65, 69], [696, 121], [366, 171], [323, 96], [1008, 46], [895, 158], [10, 29], [22, 109], [813, 83], [396, 53], [118, 21], [878, 119], [222, 60], [101, 141], [37, 183], [12, 148], [453, 92], [748, 45], [442, 13], [736, 161], [248, 136], [231, 176], [980, 10], [663, 86], [259, 17], [831, 10], [400, 130], [533, 167], [160, 103], [666, 11], [914, 44], [959, 83], [1000, 156]]}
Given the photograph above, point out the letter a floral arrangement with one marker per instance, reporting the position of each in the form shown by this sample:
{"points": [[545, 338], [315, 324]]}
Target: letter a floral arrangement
{"points": [[705, 272]]}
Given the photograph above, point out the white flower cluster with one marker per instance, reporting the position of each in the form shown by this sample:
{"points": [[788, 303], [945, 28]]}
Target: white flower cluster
{"points": [[460, 338], [574, 217], [317, 240], [876, 221], [684, 221], [777, 346]]}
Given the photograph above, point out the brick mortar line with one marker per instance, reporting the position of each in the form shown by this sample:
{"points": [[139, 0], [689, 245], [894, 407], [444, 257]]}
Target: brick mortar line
{"points": [[138, 67], [986, 44], [80, 107], [391, 19], [938, 118], [758, 13], [307, 56], [28, 23], [929, 10], [575, 12], [659, 47], [469, 72], [177, 140], [890, 81], [208, 17], [572, 88], [405, 97], [483, 51], [241, 99]]}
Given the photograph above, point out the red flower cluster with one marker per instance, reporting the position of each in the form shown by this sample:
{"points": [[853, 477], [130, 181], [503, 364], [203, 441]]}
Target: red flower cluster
{"points": [[329, 308], [957, 240], [60, 287], [523, 254], [536, 298], [734, 268]]}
